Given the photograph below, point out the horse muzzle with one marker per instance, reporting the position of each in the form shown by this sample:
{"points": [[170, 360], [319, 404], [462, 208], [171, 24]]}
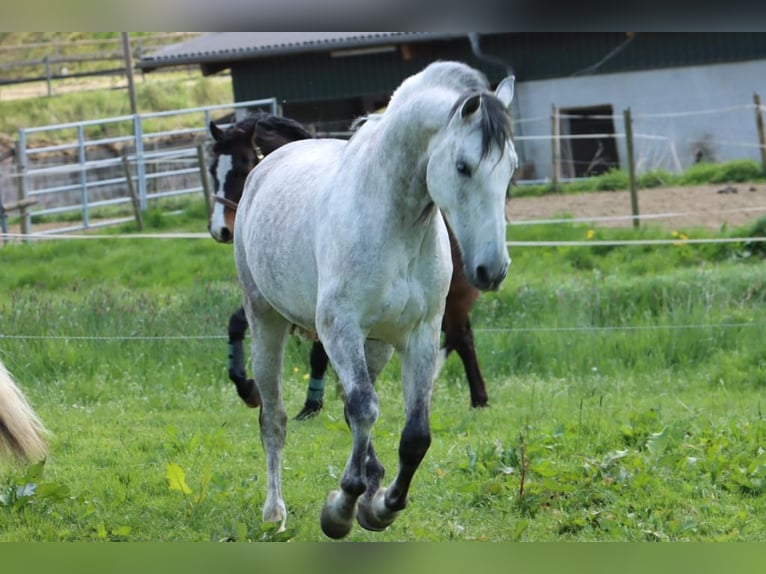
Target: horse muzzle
{"points": [[221, 234], [488, 277]]}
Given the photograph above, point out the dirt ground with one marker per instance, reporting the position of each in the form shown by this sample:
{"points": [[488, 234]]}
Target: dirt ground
{"points": [[708, 206]]}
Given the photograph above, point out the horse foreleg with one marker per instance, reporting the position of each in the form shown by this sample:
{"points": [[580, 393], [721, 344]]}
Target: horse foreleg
{"points": [[246, 388], [377, 355], [318, 361], [460, 338], [379, 510], [346, 350]]}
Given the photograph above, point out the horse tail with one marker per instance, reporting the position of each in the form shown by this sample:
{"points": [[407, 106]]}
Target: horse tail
{"points": [[21, 431]]}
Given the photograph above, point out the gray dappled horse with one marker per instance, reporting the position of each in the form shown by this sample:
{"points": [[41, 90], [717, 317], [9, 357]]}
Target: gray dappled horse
{"points": [[358, 251]]}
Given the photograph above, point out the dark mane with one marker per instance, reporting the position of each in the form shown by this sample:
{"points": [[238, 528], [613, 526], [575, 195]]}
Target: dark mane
{"points": [[285, 127], [265, 126], [495, 122]]}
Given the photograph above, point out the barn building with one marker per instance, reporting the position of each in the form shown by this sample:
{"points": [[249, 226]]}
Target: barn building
{"points": [[691, 95]]}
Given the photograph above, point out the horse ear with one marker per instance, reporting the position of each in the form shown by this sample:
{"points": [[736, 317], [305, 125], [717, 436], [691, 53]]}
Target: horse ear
{"points": [[504, 91], [216, 132], [470, 105]]}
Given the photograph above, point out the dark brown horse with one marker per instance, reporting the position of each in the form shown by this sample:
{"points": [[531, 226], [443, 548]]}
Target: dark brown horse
{"points": [[238, 149]]}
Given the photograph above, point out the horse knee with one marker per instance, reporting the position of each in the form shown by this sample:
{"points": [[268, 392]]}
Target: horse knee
{"points": [[273, 425], [362, 407]]}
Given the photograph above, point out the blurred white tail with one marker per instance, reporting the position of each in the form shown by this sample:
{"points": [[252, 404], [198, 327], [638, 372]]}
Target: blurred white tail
{"points": [[21, 431]]}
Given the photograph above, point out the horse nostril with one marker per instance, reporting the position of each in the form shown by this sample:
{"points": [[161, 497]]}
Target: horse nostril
{"points": [[488, 280], [225, 234], [482, 275]]}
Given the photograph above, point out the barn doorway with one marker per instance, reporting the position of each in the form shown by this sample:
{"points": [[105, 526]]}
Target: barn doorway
{"points": [[584, 157]]}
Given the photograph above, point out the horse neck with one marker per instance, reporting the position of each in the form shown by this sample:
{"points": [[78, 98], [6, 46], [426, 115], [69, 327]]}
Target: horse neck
{"points": [[402, 140]]}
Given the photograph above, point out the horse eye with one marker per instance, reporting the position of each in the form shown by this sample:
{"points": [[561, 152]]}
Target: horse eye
{"points": [[463, 169]]}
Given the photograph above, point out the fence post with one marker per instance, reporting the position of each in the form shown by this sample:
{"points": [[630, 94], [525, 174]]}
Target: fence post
{"points": [[82, 160], [48, 75], [555, 149], [132, 192], [21, 181], [759, 125], [203, 177], [129, 72], [138, 134], [3, 221], [4, 209], [631, 166]]}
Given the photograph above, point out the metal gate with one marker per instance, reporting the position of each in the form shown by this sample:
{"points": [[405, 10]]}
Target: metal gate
{"points": [[96, 169]]}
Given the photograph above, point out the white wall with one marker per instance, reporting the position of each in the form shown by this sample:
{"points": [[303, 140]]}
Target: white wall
{"points": [[679, 92]]}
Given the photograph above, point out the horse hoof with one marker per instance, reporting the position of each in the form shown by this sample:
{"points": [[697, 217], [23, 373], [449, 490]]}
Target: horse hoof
{"points": [[331, 528], [334, 525], [254, 400], [310, 409], [248, 392], [363, 519], [373, 514]]}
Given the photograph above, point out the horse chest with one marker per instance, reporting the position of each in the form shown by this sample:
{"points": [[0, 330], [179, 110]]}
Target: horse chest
{"points": [[411, 298]]}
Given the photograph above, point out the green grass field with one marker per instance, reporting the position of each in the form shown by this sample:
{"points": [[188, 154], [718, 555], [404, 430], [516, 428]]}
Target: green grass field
{"points": [[626, 388]]}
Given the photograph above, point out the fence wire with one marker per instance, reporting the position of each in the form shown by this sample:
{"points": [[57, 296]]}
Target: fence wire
{"points": [[503, 330]]}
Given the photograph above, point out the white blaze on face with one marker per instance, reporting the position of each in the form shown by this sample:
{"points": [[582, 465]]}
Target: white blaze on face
{"points": [[217, 221]]}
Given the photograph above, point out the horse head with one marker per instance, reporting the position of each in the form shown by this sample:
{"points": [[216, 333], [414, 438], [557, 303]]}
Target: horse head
{"points": [[236, 151], [468, 173]]}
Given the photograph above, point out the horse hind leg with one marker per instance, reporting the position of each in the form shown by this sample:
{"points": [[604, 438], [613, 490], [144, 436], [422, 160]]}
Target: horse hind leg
{"points": [[460, 338], [246, 388], [318, 361], [458, 335], [269, 332]]}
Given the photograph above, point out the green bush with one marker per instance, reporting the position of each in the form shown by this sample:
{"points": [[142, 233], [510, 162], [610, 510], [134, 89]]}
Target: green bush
{"points": [[656, 178], [740, 171], [612, 180], [736, 171], [758, 229]]}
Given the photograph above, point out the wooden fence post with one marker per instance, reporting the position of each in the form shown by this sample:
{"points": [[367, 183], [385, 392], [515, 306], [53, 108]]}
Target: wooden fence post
{"points": [[48, 75], [203, 178], [26, 220], [132, 192], [16, 206], [555, 149], [759, 126], [631, 167]]}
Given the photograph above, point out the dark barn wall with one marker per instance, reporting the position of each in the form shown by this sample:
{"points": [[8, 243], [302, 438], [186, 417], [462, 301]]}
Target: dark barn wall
{"points": [[315, 86], [319, 87]]}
